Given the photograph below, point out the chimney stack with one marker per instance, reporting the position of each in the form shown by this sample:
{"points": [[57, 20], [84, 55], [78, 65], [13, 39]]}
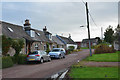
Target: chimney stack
{"points": [[69, 36], [27, 23], [27, 26], [45, 29]]}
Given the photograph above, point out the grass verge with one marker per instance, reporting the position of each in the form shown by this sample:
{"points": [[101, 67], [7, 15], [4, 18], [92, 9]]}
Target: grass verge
{"points": [[106, 57], [94, 72]]}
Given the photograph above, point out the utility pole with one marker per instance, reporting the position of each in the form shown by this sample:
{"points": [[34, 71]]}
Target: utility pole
{"points": [[88, 28], [119, 41], [102, 33]]}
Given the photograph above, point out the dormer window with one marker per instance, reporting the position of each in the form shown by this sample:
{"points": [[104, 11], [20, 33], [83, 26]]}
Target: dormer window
{"points": [[10, 29], [32, 33], [50, 37], [38, 34]]}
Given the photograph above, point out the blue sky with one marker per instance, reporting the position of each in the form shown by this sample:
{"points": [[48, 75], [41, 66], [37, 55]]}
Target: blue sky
{"points": [[62, 17]]}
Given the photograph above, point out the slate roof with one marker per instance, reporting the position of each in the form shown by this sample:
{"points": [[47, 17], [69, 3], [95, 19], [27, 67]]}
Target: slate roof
{"points": [[16, 33], [87, 40], [55, 39], [67, 40], [40, 37]]}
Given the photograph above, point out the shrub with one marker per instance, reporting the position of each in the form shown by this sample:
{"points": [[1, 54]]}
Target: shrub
{"points": [[68, 52], [7, 62], [13, 59], [47, 45], [22, 59], [77, 50], [103, 48], [6, 43], [17, 44], [71, 48]]}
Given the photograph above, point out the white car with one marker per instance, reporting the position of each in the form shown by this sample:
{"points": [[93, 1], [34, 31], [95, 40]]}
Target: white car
{"points": [[57, 53]]}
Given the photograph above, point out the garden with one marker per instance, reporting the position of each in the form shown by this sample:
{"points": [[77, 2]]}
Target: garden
{"points": [[102, 64], [17, 45]]}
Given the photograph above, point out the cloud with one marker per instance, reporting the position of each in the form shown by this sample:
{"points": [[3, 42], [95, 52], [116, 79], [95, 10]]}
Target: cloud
{"points": [[62, 17]]}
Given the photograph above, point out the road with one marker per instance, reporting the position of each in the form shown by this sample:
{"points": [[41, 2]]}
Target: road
{"points": [[43, 70]]}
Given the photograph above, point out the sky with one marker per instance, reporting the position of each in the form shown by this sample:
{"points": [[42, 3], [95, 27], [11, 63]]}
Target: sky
{"points": [[63, 18]]}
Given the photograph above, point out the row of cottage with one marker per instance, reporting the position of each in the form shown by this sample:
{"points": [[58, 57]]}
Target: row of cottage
{"points": [[34, 39]]}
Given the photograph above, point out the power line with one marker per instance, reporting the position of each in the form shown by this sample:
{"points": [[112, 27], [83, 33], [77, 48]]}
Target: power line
{"points": [[91, 16], [93, 19]]}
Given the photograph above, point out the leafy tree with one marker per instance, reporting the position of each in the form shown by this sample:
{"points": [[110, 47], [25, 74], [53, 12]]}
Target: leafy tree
{"points": [[109, 34], [47, 45], [6, 44], [17, 44], [99, 40], [117, 30]]}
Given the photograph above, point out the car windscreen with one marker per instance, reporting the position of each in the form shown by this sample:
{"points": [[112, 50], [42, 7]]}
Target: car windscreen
{"points": [[35, 52], [55, 50]]}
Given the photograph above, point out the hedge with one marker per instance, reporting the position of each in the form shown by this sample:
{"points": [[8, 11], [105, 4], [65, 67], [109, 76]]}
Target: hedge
{"points": [[7, 62], [22, 59], [103, 48]]}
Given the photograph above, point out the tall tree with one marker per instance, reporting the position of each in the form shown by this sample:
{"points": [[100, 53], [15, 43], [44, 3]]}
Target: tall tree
{"points": [[117, 31], [109, 35]]}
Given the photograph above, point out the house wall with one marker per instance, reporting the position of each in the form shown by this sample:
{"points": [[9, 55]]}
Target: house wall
{"points": [[116, 45], [11, 51], [54, 45], [67, 46], [39, 44], [87, 44], [84, 45]]}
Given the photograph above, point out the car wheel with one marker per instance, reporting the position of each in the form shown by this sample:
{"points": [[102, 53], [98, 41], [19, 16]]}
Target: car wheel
{"points": [[63, 56], [60, 57], [49, 59], [41, 60]]}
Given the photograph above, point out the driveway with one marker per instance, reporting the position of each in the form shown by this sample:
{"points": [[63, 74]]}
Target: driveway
{"points": [[43, 70]]}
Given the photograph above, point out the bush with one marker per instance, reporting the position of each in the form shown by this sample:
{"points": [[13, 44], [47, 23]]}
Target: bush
{"points": [[13, 59], [68, 52], [71, 48], [6, 43], [22, 59], [7, 62], [103, 48], [77, 50]]}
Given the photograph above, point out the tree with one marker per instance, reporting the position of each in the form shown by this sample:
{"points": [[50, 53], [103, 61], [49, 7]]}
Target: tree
{"points": [[17, 44], [117, 30], [109, 35], [48, 49], [99, 40], [6, 44]]}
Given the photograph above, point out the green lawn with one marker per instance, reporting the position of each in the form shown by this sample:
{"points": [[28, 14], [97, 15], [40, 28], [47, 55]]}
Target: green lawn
{"points": [[107, 57], [84, 48], [94, 72]]}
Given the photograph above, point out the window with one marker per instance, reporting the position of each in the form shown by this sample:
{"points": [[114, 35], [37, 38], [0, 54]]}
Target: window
{"points": [[53, 46], [61, 49], [50, 36], [55, 50], [10, 29], [36, 46], [44, 47], [32, 33], [38, 34]]}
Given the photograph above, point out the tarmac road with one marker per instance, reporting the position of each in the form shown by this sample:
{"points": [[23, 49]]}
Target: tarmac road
{"points": [[43, 70]]}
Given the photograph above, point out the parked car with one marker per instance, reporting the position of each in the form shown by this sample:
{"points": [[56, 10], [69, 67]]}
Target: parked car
{"points": [[38, 55], [57, 53]]}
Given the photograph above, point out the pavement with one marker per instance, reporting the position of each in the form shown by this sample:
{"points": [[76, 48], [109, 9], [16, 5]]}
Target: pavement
{"points": [[46, 69], [101, 64]]}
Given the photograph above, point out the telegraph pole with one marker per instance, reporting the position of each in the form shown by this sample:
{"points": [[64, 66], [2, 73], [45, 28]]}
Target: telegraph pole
{"points": [[88, 28]]}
